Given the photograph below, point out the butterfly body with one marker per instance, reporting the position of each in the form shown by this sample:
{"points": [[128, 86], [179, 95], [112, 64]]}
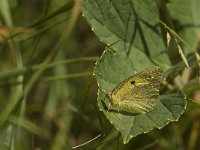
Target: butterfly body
{"points": [[139, 93]]}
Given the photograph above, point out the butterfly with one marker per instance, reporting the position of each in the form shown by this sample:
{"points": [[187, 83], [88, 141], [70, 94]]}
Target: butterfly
{"points": [[139, 93]]}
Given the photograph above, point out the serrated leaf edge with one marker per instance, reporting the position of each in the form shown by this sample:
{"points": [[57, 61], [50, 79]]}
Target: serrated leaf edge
{"points": [[158, 127]]}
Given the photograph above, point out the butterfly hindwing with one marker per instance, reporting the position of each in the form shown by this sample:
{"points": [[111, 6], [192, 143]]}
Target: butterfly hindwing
{"points": [[139, 93]]}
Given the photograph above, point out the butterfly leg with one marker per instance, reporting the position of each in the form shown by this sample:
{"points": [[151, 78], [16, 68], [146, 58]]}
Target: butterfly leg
{"points": [[118, 111], [108, 107], [119, 105]]}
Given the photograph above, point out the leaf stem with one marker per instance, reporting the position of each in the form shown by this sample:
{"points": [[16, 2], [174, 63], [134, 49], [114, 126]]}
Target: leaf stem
{"points": [[21, 71], [67, 76]]}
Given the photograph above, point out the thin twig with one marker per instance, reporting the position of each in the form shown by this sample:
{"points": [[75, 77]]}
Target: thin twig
{"points": [[87, 142]]}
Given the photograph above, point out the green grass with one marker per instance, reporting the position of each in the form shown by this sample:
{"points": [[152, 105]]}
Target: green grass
{"points": [[48, 51]]}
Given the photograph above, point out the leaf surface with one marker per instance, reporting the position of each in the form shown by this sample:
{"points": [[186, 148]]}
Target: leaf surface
{"points": [[109, 74]]}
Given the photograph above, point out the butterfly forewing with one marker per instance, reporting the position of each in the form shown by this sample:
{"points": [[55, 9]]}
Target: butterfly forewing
{"points": [[139, 93]]}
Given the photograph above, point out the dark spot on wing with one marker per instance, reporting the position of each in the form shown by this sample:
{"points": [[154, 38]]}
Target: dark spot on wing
{"points": [[133, 82]]}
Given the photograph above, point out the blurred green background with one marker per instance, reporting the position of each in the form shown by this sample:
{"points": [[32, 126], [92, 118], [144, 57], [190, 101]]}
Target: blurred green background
{"points": [[47, 89]]}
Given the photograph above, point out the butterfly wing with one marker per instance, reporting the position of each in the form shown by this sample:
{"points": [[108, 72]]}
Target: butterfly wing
{"points": [[139, 93]]}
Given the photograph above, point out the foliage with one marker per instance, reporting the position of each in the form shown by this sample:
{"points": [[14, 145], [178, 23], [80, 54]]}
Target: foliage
{"points": [[48, 94]]}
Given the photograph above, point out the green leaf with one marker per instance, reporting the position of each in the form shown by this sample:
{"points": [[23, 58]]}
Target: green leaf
{"points": [[114, 67], [133, 25], [186, 13], [5, 12], [111, 69], [168, 109], [131, 28]]}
